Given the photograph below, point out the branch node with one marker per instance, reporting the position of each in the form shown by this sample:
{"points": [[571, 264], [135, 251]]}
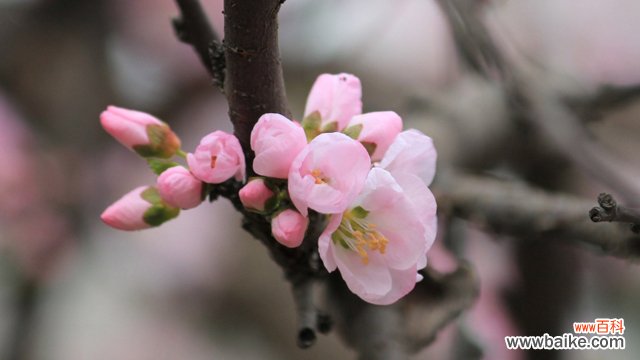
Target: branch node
{"points": [[325, 323], [609, 210], [607, 202]]}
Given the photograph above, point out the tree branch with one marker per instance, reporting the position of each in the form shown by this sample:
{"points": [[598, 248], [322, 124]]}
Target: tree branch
{"points": [[518, 210], [254, 82], [532, 104], [610, 211], [193, 28], [394, 331], [605, 100]]}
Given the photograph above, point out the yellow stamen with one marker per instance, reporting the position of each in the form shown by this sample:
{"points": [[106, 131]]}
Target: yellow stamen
{"points": [[361, 236], [317, 175]]}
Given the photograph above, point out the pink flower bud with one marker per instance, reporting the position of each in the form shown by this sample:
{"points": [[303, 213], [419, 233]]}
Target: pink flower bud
{"points": [[139, 209], [255, 194], [336, 97], [140, 132], [276, 141], [218, 158], [179, 188], [376, 131], [289, 228]]}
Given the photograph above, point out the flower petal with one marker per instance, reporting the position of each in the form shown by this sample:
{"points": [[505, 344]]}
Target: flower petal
{"points": [[336, 97], [412, 152]]}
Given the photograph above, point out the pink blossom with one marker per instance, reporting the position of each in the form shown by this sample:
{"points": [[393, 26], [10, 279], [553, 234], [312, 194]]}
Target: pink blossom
{"points": [[179, 188], [139, 209], [328, 174], [218, 158], [140, 132], [289, 227], [375, 130], [336, 97], [255, 194], [379, 243], [276, 141], [411, 152]]}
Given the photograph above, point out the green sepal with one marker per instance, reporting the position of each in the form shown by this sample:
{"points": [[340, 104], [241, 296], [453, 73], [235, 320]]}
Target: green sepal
{"points": [[370, 147], [158, 166], [311, 125], [163, 143], [359, 212], [151, 195], [160, 213], [330, 127], [353, 131], [271, 204]]}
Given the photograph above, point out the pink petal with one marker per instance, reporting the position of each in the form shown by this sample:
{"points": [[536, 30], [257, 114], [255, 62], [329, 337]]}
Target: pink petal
{"points": [[379, 128], [255, 194], [289, 227], [336, 97], [276, 141], [411, 152], [403, 281], [341, 161], [179, 188], [325, 243], [127, 213], [395, 217], [370, 281], [218, 158]]}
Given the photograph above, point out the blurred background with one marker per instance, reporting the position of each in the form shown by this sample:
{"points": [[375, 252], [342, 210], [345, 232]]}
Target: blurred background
{"points": [[198, 287]]}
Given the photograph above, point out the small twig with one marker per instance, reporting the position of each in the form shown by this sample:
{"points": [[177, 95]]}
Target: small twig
{"points": [[193, 27], [307, 313], [473, 41], [523, 212], [609, 210], [568, 134], [605, 100]]}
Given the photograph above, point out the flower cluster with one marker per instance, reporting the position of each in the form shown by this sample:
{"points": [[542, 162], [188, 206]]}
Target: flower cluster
{"points": [[218, 158], [366, 176]]}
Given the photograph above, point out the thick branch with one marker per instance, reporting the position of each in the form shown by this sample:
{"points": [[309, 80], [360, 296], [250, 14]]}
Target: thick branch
{"points": [[254, 84], [521, 211]]}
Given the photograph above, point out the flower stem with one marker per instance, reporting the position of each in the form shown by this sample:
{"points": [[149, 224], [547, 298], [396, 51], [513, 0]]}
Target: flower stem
{"points": [[181, 153]]}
